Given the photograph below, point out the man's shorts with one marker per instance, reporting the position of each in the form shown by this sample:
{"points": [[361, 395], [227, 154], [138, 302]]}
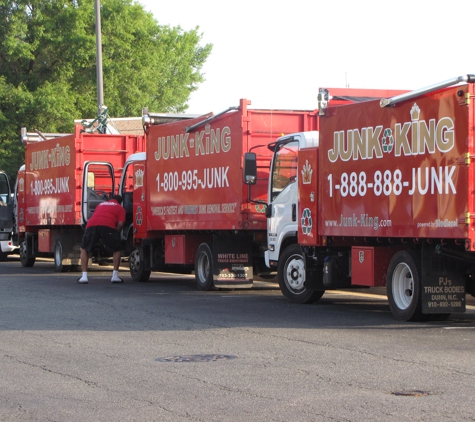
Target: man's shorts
{"points": [[110, 238]]}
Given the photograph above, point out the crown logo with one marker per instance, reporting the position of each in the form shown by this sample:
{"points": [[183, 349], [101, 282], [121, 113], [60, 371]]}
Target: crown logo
{"points": [[415, 112], [307, 173], [139, 177]]}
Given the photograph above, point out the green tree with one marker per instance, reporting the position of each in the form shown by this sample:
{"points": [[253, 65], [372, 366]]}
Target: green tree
{"points": [[48, 66]]}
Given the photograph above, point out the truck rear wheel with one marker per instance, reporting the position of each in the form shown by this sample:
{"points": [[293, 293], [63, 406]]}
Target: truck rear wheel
{"points": [[291, 274], [136, 266], [404, 287], [25, 259], [204, 268], [58, 258]]}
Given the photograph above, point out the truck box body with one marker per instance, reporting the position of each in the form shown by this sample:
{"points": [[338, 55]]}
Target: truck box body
{"points": [[195, 179], [53, 179], [394, 172]]}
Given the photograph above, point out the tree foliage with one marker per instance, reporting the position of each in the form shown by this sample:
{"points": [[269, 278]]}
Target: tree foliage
{"points": [[48, 66]]}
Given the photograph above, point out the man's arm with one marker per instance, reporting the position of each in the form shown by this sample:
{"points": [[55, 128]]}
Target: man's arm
{"points": [[119, 226]]}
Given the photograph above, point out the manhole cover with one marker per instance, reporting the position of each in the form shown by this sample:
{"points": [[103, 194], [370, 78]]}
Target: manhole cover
{"points": [[196, 358], [412, 393]]}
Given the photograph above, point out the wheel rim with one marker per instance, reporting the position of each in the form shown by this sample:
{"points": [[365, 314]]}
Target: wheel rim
{"points": [[295, 274], [134, 261], [23, 251], [402, 286], [203, 268]]}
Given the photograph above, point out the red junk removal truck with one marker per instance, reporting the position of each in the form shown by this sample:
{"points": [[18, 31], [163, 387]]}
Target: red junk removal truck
{"points": [[64, 178], [191, 204], [382, 195]]}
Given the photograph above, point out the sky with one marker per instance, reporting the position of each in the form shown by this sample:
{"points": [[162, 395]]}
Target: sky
{"points": [[278, 54]]}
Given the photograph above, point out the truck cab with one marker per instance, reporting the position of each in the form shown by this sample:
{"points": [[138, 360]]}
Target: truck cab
{"points": [[282, 209]]}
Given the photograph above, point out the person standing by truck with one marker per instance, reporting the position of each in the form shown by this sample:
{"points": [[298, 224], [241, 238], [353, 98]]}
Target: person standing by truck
{"points": [[105, 224]]}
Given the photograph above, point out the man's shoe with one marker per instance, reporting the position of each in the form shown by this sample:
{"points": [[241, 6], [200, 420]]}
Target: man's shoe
{"points": [[81, 281], [117, 280]]}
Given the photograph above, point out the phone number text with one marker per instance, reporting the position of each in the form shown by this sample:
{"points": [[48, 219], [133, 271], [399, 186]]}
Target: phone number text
{"points": [[208, 178], [428, 180]]}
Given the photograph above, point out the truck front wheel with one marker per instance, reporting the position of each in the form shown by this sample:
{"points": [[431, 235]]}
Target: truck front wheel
{"points": [[404, 287], [291, 274], [136, 266], [25, 259], [204, 268]]}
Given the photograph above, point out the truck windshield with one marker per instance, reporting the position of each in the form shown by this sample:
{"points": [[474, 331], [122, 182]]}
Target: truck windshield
{"points": [[284, 171]]}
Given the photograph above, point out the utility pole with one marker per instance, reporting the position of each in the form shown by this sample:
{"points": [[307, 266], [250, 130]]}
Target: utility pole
{"points": [[100, 84]]}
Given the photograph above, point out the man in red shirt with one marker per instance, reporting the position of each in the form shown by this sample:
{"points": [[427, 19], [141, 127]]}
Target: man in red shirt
{"points": [[105, 223]]}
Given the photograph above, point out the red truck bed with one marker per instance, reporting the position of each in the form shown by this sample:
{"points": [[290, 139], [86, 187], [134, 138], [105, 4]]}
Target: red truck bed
{"points": [[401, 171], [195, 177], [50, 189]]}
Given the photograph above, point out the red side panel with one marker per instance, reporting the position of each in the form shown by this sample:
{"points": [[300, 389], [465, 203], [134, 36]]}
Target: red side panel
{"points": [[399, 171], [140, 217], [195, 168], [21, 211], [308, 197], [52, 184]]}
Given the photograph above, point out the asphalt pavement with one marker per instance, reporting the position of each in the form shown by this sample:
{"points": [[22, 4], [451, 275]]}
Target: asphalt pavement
{"points": [[163, 351]]}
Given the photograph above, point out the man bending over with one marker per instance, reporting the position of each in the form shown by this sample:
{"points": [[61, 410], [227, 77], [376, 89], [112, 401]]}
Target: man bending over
{"points": [[105, 224]]}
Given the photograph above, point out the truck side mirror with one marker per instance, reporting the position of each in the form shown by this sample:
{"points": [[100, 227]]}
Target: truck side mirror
{"points": [[250, 168], [269, 211]]}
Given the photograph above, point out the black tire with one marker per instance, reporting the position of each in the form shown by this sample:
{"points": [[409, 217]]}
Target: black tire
{"points": [[291, 275], [204, 268], [26, 261], [3, 256], [136, 266], [404, 287], [58, 258]]}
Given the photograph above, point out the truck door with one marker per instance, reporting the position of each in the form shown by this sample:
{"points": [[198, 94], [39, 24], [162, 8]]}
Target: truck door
{"points": [[98, 186], [126, 190], [6, 208], [283, 196]]}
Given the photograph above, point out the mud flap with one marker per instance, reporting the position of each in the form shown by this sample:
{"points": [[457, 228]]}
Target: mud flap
{"points": [[443, 294], [71, 242], [443, 284], [314, 277], [232, 259]]}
